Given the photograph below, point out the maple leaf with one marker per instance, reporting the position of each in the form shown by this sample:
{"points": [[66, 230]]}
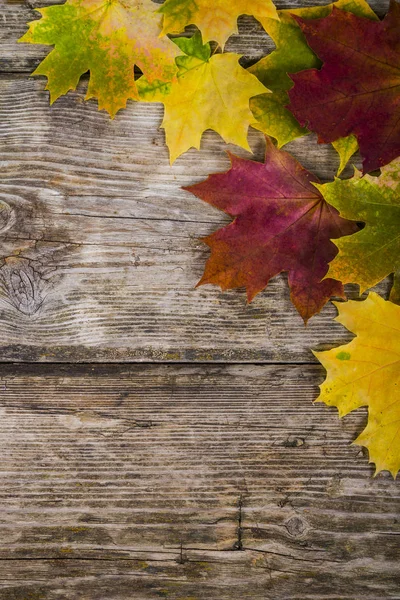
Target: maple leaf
{"points": [[371, 254], [292, 54], [210, 92], [216, 20], [282, 223], [345, 147], [357, 91], [366, 372], [107, 38]]}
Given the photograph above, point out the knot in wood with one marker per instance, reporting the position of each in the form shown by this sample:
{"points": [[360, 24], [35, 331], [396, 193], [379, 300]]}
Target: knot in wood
{"points": [[295, 526], [22, 284], [7, 216]]}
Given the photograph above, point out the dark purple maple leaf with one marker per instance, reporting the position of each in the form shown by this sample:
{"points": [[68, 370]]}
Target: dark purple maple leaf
{"points": [[357, 90]]}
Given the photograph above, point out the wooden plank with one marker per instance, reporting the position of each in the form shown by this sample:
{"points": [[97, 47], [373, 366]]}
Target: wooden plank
{"points": [[174, 481], [252, 42], [100, 245], [197, 576]]}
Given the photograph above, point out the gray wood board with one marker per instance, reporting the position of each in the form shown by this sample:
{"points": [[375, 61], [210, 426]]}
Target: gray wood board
{"points": [[147, 481]]}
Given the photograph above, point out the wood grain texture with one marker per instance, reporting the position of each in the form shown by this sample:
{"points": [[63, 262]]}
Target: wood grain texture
{"points": [[122, 482], [179, 481], [100, 245]]}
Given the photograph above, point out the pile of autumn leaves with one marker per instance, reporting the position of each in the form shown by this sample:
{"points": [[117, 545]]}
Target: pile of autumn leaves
{"points": [[335, 71]]}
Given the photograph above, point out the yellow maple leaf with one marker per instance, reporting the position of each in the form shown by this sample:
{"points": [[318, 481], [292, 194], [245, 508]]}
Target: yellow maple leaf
{"points": [[366, 372], [107, 38], [210, 92], [216, 20]]}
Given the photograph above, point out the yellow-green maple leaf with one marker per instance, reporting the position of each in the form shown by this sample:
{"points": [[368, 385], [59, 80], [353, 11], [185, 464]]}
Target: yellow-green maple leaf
{"points": [[216, 20], [373, 253], [107, 38], [366, 372], [210, 92], [345, 147]]}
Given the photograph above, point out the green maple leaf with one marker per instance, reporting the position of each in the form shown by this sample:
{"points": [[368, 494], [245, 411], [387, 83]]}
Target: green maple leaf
{"points": [[373, 253]]}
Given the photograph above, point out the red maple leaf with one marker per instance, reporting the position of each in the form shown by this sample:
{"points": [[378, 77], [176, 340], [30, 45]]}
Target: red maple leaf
{"points": [[282, 223], [358, 88]]}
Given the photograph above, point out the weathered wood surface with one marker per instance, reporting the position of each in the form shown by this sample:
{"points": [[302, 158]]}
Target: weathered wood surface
{"points": [[136, 482], [100, 245]]}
